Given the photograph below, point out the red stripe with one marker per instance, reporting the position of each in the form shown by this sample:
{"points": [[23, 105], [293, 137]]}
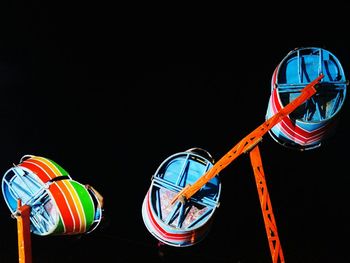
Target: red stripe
{"points": [[274, 78], [63, 208], [66, 192], [42, 175], [298, 132], [56, 192], [166, 235]]}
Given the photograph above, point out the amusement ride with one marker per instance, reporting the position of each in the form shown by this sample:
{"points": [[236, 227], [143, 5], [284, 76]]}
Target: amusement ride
{"points": [[45, 200], [308, 88]]}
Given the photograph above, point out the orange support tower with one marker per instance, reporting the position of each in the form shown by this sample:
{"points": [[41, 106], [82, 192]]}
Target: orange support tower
{"points": [[249, 143], [23, 232], [266, 207]]}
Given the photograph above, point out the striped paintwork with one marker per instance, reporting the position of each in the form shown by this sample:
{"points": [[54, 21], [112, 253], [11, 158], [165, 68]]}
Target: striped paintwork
{"points": [[59, 205], [187, 222], [315, 120]]}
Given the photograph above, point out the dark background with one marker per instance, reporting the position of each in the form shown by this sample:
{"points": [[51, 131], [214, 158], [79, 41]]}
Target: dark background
{"points": [[109, 92]]}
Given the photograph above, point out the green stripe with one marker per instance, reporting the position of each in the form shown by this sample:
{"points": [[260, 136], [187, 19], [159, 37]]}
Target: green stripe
{"points": [[63, 171], [86, 201], [59, 229]]}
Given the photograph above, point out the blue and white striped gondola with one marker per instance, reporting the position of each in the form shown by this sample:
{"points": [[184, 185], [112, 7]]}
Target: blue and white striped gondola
{"points": [[315, 120], [183, 223]]}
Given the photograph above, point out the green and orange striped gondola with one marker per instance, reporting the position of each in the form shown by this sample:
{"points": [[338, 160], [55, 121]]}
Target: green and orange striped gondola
{"points": [[59, 205]]}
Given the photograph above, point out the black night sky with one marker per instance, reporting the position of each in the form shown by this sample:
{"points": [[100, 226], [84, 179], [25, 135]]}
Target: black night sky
{"points": [[109, 93]]}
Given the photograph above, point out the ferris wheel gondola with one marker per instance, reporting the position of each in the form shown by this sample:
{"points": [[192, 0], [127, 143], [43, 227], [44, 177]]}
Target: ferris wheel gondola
{"points": [[186, 180], [316, 119], [58, 204], [184, 223]]}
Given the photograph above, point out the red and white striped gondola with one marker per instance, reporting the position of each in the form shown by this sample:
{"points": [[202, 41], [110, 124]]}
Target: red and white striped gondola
{"points": [[183, 223], [315, 120]]}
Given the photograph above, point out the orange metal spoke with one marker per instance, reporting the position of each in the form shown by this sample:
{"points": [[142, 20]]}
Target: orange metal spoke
{"points": [[248, 142]]}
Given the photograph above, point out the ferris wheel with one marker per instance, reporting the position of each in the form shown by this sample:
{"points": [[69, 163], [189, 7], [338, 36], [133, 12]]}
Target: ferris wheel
{"points": [[308, 89]]}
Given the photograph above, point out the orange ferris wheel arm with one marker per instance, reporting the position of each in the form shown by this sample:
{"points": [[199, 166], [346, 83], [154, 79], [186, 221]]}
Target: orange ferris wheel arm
{"points": [[249, 141]]}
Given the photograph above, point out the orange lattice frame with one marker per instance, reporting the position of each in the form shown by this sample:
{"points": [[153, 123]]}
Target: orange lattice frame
{"points": [[266, 207], [249, 144]]}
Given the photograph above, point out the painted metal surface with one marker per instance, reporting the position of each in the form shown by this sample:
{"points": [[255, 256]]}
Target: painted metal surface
{"points": [[59, 205], [249, 141], [185, 222], [315, 120]]}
